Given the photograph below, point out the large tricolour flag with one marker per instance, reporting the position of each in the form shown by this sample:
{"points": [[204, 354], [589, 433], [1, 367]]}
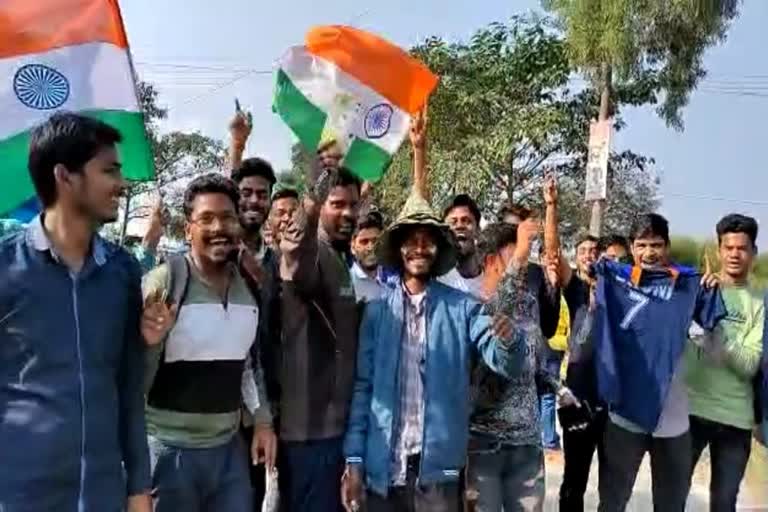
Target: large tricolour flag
{"points": [[64, 55], [353, 87]]}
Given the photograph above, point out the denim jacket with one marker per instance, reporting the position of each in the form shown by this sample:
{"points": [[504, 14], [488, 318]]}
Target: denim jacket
{"points": [[72, 434], [457, 326]]}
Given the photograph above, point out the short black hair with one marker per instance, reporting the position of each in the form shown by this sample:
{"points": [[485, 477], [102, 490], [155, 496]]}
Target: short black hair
{"points": [[285, 192], [254, 167], [370, 220], [587, 238], [463, 201], [68, 139], [495, 237], [737, 223], [343, 177], [650, 225], [210, 184], [611, 240]]}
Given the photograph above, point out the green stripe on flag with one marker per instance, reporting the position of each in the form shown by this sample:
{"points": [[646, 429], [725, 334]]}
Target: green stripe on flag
{"points": [[301, 115], [367, 160], [135, 154]]}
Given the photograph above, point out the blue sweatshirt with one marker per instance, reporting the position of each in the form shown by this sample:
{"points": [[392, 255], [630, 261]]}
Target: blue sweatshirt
{"points": [[71, 373]]}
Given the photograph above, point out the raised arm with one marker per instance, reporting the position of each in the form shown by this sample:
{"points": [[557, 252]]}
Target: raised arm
{"points": [[239, 130], [299, 247]]}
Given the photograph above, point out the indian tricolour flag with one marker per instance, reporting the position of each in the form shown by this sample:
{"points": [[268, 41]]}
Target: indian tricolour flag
{"points": [[351, 86], [64, 55]]}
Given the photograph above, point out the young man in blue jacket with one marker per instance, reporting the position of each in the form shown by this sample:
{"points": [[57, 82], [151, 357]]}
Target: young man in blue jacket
{"points": [[407, 432], [71, 363]]}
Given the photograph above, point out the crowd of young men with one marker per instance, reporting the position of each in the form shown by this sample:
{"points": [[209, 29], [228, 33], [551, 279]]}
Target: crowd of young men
{"points": [[378, 367]]}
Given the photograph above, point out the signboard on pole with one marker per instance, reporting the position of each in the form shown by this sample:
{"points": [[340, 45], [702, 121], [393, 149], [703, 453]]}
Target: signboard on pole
{"points": [[597, 160]]}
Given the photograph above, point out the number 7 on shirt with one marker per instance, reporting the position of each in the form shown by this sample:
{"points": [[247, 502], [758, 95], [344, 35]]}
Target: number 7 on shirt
{"points": [[640, 301]]}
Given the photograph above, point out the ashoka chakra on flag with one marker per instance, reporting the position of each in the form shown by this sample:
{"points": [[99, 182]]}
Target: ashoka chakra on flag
{"points": [[64, 54], [351, 86]]}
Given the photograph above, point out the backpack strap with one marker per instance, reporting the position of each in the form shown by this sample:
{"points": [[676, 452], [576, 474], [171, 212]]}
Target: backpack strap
{"points": [[176, 288], [177, 283]]}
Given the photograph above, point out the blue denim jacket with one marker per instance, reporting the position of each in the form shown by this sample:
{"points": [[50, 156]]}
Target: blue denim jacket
{"points": [[456, 327], [72, 435]]}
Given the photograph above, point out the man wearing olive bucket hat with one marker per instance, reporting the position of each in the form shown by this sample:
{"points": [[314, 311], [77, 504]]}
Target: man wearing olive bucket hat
{"points": [[408, 420]]}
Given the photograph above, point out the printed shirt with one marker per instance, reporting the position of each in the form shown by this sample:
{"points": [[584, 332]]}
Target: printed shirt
{"points": [[205, 373], [641, 328], [721, 366], [507, 410], [410, 377]]}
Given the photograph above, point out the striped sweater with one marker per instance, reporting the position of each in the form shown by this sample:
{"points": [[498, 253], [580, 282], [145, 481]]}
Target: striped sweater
{"points": [[203, 372]]}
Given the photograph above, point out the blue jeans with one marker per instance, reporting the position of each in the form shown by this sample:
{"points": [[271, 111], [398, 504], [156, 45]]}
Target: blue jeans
{"points": [[550, 440], [509, 478], [200, 479], [310, 475]]}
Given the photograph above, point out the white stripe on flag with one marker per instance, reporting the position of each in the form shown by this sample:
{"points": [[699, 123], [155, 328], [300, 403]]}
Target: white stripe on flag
{"points": [[92, 76], [342, 97]]}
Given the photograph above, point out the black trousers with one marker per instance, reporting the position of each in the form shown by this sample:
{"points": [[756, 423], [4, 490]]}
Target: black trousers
{"points": [[579, 445], [623, 454], [416, 498], [729, 450]]}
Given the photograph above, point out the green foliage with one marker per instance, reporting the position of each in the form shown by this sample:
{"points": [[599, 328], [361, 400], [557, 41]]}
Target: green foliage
{"points": [[178, 157], [691, 252], [657, 45], [503, 114]]}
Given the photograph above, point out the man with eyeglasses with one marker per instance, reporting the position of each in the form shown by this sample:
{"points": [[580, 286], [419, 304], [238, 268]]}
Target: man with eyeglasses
{"points": [[199, 364]]}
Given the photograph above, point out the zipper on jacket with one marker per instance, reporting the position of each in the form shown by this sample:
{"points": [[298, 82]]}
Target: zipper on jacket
{"points": [[81, 378]]}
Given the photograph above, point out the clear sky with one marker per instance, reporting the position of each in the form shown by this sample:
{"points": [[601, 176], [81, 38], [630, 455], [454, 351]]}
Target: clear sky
{"points": [[203, 54]]}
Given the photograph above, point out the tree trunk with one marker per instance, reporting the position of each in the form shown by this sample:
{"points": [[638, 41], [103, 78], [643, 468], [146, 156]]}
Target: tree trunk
{"points": [[596, 221], [126, 211]]}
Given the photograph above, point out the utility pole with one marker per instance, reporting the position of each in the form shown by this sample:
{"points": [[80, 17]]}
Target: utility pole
{"points": [[606, 90]]}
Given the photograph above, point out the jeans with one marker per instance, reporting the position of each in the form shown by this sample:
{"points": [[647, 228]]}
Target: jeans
{"points": [[729, 449], [623, 453], [200, 479], [416, 498], [548, 410], [579, 445], [509, 478], [310, 475]]}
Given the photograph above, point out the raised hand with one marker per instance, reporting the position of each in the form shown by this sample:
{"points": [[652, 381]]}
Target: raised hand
{"points": [[527, 231], [418, 131], [709, 279], [240, 127], [550, 189], [158, 319]]}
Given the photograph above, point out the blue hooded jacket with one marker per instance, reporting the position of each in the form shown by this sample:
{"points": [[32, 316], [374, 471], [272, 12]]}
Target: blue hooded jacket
{"points": [[457, 328]]}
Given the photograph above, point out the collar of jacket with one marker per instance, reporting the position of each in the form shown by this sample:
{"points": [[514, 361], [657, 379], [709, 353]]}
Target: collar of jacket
{"points": [[38, 239]]}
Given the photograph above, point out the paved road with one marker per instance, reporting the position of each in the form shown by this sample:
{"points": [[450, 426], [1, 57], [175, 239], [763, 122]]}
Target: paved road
{"points": [[753, 495]]}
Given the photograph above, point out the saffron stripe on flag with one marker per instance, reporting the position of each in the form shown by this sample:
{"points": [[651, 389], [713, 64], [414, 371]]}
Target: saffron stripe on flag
{"points": [[301, 115], [136, 156], [35, 26], [375, 62]]}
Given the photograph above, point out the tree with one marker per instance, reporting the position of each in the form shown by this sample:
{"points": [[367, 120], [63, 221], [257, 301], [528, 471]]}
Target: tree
{"points": [[178, 156], [502, 116], [654, 46]]}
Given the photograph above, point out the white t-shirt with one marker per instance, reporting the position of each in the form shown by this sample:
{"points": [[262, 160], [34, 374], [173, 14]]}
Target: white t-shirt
{"points": [[473, 285]]}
